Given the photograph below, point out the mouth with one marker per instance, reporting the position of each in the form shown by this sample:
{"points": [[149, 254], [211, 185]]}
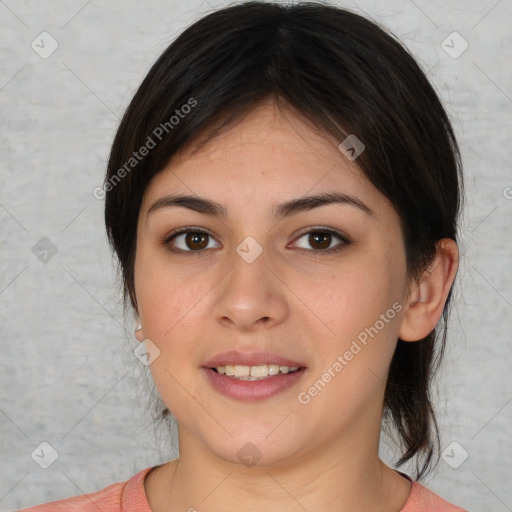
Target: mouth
{"points": [[256, 372], [249, 377]]}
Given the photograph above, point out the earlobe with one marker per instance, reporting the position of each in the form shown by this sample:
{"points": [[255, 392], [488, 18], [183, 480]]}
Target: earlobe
{"points": [[139, 334], [428, 297]]}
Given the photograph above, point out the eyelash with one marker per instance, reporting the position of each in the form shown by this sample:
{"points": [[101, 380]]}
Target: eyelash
{"points": [[344, 240]]}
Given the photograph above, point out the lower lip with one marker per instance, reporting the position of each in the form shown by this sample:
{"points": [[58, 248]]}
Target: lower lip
{"points": [[250, 391]]}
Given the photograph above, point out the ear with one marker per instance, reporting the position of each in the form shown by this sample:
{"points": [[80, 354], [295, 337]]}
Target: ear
{"points": [[139, 333], [428, 296]]}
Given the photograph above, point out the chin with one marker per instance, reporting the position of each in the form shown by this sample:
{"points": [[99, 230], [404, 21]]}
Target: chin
{"points": [[256, 450]]}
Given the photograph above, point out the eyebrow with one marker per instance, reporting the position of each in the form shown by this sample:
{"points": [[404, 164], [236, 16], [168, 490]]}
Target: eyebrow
{"points": [[289, 208]]}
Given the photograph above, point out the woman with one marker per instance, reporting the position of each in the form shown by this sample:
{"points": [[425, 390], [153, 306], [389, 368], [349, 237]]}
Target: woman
{"points": [[283, 195]]}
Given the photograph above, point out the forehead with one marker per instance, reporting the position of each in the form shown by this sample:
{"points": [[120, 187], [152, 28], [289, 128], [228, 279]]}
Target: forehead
{"points": [[279, 130], [269, 156]]}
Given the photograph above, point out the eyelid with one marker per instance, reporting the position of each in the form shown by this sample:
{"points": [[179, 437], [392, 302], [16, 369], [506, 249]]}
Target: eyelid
{"points": [[322, 229], [185, 229]]}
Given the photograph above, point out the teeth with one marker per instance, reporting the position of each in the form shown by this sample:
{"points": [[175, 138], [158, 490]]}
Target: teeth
{"points": [[254, 372], [273, 369]]}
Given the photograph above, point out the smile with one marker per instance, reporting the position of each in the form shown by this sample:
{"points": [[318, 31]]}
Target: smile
{"points": [[252, 373]]}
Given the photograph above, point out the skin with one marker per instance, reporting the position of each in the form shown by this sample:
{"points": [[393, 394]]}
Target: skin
{"points": [[322, 455]]}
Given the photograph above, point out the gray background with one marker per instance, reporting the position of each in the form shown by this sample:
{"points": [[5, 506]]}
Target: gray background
{"points": [[68, 375]]}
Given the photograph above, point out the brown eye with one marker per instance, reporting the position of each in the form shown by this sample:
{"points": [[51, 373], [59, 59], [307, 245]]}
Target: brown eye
{"points": [[320, 241], [196, 241], [189, 241]]}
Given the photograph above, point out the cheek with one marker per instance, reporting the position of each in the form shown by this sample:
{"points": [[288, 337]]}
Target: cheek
{"points": [[354, 358], [353, 297], [361, 305], [166, 305], [166, 294]]}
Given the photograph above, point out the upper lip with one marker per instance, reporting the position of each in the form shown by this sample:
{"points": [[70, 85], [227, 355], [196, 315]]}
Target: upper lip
{"points": [[234, 357]]}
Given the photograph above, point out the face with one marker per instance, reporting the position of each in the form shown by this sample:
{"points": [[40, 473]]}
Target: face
{"points": [[314, 285]]}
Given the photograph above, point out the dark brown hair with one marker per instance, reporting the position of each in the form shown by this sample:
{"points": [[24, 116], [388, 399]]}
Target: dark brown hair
{"points": [[344, 74]]}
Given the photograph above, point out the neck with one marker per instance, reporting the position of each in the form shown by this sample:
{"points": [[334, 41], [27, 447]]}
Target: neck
{"points": [[337, 477]]}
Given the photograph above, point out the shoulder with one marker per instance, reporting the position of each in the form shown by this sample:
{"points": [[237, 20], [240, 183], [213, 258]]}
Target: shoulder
{"points": [[422, 499], [118, 497]]}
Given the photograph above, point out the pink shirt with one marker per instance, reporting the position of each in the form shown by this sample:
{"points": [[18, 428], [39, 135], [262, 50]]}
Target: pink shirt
{"points": [[130, 497]]}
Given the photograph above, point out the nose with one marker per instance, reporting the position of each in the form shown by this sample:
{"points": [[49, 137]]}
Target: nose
{"points": [[251, 296]]}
